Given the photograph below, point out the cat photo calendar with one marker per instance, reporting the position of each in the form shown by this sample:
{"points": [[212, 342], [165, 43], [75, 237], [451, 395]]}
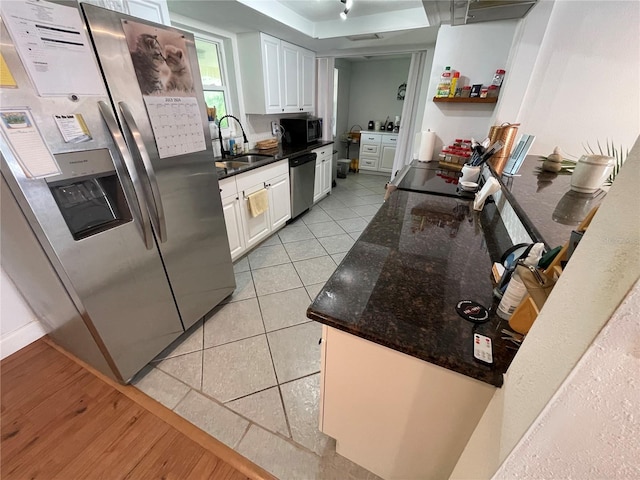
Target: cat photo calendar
{"points": [[161, 62]]}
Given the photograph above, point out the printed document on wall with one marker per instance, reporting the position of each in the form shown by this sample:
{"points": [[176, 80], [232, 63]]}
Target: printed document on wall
{"points": [[50, 39]]}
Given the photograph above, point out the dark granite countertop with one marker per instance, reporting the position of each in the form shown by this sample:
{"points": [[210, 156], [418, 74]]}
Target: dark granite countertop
{"points": [[399, 284], [274, 155], [545, 203]]}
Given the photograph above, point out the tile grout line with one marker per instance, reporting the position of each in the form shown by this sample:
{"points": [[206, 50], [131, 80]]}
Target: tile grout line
{"points": [[275, 372]]}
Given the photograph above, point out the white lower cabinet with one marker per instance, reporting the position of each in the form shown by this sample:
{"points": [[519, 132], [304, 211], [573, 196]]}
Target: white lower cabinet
{"points": [[232, 216], [233, 220], [386, 159], [279, 201], [377, 151], [244, 231], [256, 228], [322, 184], [412, 425]]}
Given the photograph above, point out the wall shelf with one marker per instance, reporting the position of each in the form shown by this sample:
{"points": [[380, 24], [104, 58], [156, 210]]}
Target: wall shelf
{"points": [[465, 100]]}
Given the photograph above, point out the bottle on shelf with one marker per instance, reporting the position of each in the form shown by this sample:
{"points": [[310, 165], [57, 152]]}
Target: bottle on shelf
{"points": [[454, 83], [445, 83]]}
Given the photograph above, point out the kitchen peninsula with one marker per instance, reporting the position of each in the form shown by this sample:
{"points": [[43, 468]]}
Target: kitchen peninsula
{"points": [[401, 390]]}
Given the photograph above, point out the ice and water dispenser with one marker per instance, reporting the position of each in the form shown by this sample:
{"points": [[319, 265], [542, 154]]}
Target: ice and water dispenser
{"points": [[88, 193]]}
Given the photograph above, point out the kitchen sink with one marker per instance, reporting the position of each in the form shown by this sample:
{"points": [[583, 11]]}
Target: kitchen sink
{"points": [[231, 164], [252, 158]]}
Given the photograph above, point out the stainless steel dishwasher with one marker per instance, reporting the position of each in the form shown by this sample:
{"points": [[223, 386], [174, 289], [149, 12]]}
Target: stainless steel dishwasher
{"points": [[302, 175]]}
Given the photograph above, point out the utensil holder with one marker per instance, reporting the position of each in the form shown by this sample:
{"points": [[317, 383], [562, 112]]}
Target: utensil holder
{"points": [[470, 174]]}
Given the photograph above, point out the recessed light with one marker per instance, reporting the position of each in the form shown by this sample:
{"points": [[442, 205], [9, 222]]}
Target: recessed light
{"points": [[343, 15]]}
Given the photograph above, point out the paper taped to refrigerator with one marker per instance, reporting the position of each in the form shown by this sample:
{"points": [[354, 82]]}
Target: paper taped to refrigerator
{"points": [[27, 144], [176, 124], [50, 39], [73, 128]]}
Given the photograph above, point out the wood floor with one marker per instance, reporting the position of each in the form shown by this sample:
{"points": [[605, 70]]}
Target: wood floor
{"points": [[61, 420]]}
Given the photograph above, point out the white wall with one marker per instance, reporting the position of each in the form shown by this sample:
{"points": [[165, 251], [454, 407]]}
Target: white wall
{"points": [[374, 89], [590, 429], [477, 51], [18, 324], [581, 78]]}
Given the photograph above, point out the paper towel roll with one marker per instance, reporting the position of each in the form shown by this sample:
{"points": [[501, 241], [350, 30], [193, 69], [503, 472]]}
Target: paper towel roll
{"points": [[427, 142]]}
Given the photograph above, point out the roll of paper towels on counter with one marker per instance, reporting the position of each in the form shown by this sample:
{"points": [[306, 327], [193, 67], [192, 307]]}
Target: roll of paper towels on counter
{"points": [[427, 141]]}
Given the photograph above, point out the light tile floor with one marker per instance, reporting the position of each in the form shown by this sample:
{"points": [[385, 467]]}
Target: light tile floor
{"points": [[248, 374]]}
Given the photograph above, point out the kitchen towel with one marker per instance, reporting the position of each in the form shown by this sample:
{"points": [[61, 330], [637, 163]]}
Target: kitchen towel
{"points": [[258, 202], [427, 142]]}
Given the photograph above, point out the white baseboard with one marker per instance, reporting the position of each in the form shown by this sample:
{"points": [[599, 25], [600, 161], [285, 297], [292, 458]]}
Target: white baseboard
{"points": [[20, 338]]}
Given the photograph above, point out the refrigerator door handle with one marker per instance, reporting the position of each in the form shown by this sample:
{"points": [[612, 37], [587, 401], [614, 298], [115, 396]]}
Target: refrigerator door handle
{"points": [[151, 175], [125, 163]]}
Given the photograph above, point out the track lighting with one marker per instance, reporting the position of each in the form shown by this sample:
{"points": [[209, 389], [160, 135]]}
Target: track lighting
{"points": [[347, 6]]}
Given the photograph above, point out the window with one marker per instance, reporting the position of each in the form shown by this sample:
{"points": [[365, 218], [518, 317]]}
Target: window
{"points": [[213, 77]]}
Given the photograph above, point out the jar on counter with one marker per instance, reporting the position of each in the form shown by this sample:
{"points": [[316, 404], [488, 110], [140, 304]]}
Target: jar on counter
{"points": [[466, 92], [498, 78], [493, 91], [484, 92]]}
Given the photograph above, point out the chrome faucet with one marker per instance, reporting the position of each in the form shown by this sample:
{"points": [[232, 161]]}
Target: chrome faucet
{"points": [[224, 152]]}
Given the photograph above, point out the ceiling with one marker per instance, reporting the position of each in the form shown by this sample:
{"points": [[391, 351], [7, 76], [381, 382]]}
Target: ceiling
{"points": [[373, 27], [401, 25]]}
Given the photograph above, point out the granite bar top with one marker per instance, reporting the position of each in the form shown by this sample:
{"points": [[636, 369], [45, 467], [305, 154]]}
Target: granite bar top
{"points": [[399, 284], [274, 155], [545, 203]]}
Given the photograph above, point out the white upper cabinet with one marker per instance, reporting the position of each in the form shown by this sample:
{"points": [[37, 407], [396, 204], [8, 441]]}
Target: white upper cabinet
{"points": [[298, 78], [308, 82], [290, 77], [260, 69], [152, 10], [277, 76]]}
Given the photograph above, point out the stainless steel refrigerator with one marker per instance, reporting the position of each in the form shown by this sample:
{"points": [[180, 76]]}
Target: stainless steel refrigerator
{"points": [[112, 227]]}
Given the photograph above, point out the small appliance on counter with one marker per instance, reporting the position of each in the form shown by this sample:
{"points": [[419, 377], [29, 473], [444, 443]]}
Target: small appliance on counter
{"points": [[301, 131]]}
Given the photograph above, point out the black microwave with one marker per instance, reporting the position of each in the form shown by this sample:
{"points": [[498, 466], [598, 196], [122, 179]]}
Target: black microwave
{"points": [[301, 131]]}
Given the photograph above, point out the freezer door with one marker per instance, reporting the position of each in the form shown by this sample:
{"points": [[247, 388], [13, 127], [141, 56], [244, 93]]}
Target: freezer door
{"points": [[181, 189], [112, 270]]}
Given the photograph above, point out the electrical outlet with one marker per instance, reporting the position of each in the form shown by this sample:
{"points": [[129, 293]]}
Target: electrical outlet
{"points": [[274, 128]]}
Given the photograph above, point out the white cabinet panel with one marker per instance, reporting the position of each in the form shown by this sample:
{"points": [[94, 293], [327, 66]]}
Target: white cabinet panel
{"points": [[260, 71], [413, 425], [290, 77], [255, 228], [271, 66], [279, 201], [152, 10], [233, 220], [322, 184], [368, 163], [386, 159], [326, 176], [308, 81], [317, 183]]}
